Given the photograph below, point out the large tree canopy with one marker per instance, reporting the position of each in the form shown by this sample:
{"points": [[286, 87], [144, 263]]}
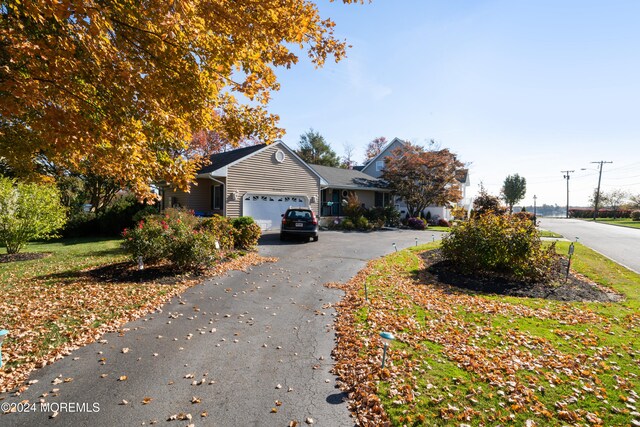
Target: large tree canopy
{"points": [[123, 85], [423, 177]]}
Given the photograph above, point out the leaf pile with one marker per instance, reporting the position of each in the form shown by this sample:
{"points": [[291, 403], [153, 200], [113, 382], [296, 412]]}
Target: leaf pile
{"points": [[469, 359], [48, 316]]}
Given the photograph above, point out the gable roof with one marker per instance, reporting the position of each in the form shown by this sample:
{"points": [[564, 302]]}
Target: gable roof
{"points": [[349, 179], [373, 160], [220, 160]]}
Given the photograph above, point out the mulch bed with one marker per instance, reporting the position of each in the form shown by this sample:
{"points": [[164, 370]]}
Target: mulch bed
{"points": [[575, 288], [23, 256]]}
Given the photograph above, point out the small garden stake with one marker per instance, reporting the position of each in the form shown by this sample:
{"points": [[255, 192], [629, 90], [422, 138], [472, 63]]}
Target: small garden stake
{"points": [[387, 337], [571, 249]]}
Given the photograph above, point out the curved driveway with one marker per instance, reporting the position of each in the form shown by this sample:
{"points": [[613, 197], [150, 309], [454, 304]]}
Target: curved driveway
{"points": [[621, 244], [229, 348]]}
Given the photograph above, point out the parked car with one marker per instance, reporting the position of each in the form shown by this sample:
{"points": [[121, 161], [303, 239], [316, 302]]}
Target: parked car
{"points": [[300, 222]]}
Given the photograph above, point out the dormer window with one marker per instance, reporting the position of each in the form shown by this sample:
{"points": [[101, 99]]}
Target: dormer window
{"points": [[379, 165]]}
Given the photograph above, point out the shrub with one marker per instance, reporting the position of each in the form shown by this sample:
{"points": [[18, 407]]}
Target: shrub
{"points": [[416, 223], [443, 223], [524, 215], [459, 213], [347, 224], [504, 244], [221, 229], [362, 223], [246, 232], [188, 247], [635, 215], [28, 212], [176, 236], [124, 212], [353, 208], [148, 239]]}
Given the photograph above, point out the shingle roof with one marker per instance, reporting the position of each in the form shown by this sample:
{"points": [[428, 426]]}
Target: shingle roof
{"points": [[220, 160], [348, 178]]}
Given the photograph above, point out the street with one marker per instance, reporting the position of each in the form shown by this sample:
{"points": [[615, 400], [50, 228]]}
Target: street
{"points": [[621, 244]]}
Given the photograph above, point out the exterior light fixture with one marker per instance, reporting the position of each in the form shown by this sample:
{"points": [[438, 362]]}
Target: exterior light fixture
{"points": [[387, 337], [395, 247], [416, 241]]}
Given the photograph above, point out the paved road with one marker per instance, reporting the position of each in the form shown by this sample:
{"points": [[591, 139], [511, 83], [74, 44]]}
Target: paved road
{"points": [[621, 244], [272, 327]]}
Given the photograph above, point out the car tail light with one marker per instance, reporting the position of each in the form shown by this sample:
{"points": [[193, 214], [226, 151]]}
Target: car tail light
{"points": [[314, 220]]}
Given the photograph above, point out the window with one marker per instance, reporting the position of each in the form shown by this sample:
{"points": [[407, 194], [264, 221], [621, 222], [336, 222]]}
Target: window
{"points": [[379, 165], [217, 197], [382, 199]]}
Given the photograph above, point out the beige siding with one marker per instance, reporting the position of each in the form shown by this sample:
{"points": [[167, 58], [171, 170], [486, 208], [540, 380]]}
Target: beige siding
{"points": [[261, 173], [367, 197], [198, 199]]}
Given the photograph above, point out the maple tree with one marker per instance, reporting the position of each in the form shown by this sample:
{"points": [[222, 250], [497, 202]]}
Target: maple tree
{"points": [[375, 147], [123, 85], [422, 177]]}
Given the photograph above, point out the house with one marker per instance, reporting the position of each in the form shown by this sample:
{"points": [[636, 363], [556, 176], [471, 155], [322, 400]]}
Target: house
{"points": [[340, 183], [260, 181], [375, 168]]}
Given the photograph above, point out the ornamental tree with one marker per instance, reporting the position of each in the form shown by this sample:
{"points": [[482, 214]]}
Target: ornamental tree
{"points": [[513, 190], [423, 178], [28, 211], [123, 85]]}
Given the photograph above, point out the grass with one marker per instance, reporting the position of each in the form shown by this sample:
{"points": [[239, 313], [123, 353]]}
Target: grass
{"points": [[52, 305], [438, 228], [547, 233], [475, 359], [623, 222]]}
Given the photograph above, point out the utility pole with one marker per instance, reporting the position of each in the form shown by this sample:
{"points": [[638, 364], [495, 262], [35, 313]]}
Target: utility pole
{"points": [[595, 210], [567, 176]]}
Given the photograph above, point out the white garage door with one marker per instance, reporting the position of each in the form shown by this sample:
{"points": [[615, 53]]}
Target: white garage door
{"points": [[267, 209]]}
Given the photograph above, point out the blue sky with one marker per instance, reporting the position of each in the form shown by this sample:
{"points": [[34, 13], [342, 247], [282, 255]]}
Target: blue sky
{"points": [[527, 87]]}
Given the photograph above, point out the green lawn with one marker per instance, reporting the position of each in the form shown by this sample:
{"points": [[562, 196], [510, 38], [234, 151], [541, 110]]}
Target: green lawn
{"points": [[547, 233], [624, 222], [474, 359], [438, 228], [52, 304]]}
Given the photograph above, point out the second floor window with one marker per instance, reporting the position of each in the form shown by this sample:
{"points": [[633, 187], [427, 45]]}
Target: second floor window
{"points": [[379, 165]]}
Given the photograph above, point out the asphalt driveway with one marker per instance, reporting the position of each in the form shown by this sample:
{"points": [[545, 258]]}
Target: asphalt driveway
{"points": [[249, 348]]}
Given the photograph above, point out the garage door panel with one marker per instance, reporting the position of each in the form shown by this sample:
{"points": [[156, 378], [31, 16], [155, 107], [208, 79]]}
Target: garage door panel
{"points": [[266, 209]]}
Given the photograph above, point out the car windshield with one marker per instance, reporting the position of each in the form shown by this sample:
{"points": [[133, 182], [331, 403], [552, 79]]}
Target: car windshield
{"points": [[299, 215]]}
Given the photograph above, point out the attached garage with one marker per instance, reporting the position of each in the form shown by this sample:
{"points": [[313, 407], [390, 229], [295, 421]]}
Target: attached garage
{"points": [[260, 181], [267, 209]]}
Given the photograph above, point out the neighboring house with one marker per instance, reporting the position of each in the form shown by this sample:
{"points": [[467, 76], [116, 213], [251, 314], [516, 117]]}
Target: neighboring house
{"points": [[340, 183], [260, 181], [375, 167]]}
